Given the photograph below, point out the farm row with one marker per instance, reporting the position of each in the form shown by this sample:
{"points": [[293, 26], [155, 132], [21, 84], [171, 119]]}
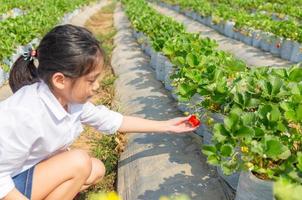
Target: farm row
{"points": [[261, 107], [8, 5], [282, 37], [39, 18]]}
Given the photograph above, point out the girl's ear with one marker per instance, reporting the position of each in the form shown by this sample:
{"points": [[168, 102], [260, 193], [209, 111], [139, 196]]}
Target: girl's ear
{"points": [[59, 80]]}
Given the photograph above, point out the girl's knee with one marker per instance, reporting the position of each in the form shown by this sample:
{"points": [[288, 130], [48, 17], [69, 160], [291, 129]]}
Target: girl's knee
{"points": [[101, 169], [98, 171], [81, 162]]}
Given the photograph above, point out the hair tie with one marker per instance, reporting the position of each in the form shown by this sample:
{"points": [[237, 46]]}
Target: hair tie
{"points": [[30, 54]]}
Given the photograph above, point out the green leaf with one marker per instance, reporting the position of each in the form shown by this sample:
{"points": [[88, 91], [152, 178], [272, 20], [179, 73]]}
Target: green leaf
{"points": [[297, 98], [245, 131], [299, 158], [290, 115], [220, 129], [209, 150], [194, 75], [266, 86], [294, 89], [236, 110], [296, 74], [185, 89], [191, 59], [285, 106], [264, 111], [281, 127], [276, 85], [284, 190], [253, 103], [231, 121], [295, 175], [236, 65], [248, 119], [299, 112], [257, 147], [211, 87], [280, 72], [259, 132], [221, 86], [213, 160], [274, 148], [227, 170], [179, 61], [226, 150], [168, 50], [238, 98], [275, 114], [285, 154], [219, 75]]}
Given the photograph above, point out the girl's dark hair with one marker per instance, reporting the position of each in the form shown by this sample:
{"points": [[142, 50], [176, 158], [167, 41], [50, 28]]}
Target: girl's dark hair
{"points": [[68, 49]]}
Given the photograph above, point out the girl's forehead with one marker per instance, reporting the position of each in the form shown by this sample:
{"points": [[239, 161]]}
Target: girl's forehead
{"points": [[97, 69]]}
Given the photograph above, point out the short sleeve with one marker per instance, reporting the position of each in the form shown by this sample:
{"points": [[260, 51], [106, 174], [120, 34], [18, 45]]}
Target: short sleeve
{"points": [[101, 118]]}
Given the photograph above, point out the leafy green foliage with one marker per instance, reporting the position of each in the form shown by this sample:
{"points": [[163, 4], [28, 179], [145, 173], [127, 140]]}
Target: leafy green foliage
{"points": [[250, 15], [40, 17], [104, 149], [284, 190], [262, 128]]}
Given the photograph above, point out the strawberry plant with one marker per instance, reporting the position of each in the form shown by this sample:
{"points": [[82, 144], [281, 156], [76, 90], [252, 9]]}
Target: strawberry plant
{"points": [[39, 18], [262, 127], [262, 133], [240, 13], [7, 5]]}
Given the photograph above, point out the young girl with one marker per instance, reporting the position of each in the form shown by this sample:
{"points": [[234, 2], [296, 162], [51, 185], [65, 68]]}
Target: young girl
{"points": [[52, 86]]}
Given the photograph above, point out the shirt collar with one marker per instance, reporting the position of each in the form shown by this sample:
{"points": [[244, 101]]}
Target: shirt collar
{"points": [[51, 101]]}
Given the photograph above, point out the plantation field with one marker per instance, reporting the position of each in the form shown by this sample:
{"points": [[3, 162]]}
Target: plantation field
{"points": [[233, 64]]}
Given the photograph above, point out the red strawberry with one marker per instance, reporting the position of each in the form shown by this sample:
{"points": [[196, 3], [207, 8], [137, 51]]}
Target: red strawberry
{"points": [[278, 45], [193, 121]]}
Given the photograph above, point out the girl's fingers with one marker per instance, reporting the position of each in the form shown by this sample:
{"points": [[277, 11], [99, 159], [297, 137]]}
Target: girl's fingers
{"points": [[184, 127], [181, 120], [181, 125]]}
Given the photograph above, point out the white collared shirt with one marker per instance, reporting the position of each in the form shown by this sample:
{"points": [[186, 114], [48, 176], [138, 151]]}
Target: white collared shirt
{"points": [[34, 126]]}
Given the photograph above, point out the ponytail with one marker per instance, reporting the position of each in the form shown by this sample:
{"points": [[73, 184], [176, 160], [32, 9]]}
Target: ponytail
{"points": [[22, 73]]}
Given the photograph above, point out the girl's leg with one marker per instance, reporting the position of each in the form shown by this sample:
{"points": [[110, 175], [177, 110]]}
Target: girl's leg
{"points": [[97, 173], [63, 175]]}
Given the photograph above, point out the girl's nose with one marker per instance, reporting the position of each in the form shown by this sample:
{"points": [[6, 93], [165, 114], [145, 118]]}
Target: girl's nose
{"points": [[96, 85]]}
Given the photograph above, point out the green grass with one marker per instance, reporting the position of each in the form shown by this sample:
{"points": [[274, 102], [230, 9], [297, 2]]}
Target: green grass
{"points": [[105, 150], [104, 38]]}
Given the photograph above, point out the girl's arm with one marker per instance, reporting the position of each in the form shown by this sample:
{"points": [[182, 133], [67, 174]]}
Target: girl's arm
{"points": [[136, 124], [108, 121]]}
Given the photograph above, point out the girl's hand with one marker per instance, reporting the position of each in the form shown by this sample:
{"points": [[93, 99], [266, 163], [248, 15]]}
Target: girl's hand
{"points": [[140, 125], [179, 125]]}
